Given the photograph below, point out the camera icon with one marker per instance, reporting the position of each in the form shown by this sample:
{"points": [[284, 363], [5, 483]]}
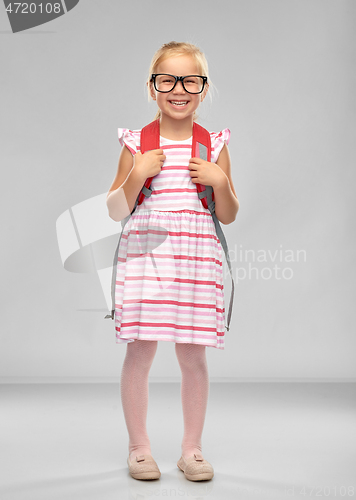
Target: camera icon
{"points": [[23, 16], [88, 243]]}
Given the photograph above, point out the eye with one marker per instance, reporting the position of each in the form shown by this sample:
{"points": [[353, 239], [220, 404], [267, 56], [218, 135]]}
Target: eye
{"points": [[191, 80]]}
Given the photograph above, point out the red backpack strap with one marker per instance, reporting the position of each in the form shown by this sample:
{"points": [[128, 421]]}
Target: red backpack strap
{"points": [[201, 148], [150, 137], [149, 140]]}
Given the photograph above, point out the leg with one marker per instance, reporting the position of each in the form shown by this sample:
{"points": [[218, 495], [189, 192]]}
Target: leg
{"points": [[194, 392], [134, 393]]}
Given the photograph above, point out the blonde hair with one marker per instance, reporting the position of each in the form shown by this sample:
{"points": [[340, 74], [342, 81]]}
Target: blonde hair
{"points": [[175, 49]]}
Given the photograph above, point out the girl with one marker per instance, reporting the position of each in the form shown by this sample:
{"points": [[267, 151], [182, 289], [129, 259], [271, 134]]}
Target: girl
{"points": [[185, 303]]}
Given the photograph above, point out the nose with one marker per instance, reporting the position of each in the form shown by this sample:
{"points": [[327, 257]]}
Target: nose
{"points": [[179, 89]]}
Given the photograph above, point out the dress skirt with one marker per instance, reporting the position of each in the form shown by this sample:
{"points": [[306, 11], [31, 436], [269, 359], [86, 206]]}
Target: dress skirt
{"points": [[169, 283]]}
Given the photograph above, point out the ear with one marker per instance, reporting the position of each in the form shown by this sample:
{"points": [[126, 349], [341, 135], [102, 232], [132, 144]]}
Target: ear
{"points": [[151, 90], [205, 91]]}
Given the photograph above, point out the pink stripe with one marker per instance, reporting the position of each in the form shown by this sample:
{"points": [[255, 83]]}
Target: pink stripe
{"points": [[168, 325], [172, 309], [131, 318], [173, 233], [135, 299], [134, 294], [176, 280], [169, 198], [178, 175], [175, 257], [176, 146], [176, 302], [165, 232]]}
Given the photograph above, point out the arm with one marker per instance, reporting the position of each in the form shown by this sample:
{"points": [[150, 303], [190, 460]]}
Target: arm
{"points": [[226, 202], [131, 175], [124, 190]]}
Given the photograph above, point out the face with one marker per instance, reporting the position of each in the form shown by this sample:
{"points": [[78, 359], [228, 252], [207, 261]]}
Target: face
{"points": [[178, 103]]}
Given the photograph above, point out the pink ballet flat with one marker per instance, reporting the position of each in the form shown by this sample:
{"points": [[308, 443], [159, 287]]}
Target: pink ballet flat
{"points": [[196, 468], [143, 467]]}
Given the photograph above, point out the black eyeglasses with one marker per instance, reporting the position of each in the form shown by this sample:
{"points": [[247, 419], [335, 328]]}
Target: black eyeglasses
{"points": [[193, 84]]}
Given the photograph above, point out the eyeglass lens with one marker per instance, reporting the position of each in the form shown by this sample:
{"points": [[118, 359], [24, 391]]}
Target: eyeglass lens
{"points": [[192, 84]]}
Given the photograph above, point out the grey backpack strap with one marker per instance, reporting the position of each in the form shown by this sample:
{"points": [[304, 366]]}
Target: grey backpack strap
{"points": [[114, 268], [208, 192], [146, 191]]}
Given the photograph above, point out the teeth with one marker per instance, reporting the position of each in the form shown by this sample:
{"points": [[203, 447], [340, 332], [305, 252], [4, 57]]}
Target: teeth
{"points": [[179, 103]]}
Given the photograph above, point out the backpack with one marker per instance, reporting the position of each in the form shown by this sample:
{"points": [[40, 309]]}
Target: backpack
{"points": [[201, 148]]}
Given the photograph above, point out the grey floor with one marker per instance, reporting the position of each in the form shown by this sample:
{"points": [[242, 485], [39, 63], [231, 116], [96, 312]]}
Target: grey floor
{"points": [[265, 441]]}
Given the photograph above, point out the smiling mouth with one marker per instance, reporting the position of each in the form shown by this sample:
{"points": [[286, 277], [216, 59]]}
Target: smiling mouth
{"points": [[179, 103]]}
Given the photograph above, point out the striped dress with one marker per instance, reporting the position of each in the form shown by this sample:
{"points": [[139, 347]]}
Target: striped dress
{"points": [[169, 283]]}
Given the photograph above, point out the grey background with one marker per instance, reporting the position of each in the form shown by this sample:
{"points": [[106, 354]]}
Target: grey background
{"points": [[285, 74]]}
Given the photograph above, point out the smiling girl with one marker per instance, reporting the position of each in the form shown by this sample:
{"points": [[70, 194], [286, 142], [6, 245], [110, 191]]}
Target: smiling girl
{"points": [[186, 304]]}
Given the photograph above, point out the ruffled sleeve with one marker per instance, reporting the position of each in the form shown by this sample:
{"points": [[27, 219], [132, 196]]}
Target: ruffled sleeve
{"points": [[128, 138], [218, 140]]}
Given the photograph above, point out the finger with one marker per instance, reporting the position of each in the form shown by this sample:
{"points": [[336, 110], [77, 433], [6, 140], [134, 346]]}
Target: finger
{"points": [[154, 151]]}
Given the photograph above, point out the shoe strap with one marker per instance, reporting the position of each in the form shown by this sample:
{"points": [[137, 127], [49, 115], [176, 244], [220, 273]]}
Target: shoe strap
{"points": [[198, 457], [140, 458]]}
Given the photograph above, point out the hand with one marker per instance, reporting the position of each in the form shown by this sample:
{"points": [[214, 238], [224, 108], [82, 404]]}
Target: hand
{"points": [[206, 173], [150, 163]]}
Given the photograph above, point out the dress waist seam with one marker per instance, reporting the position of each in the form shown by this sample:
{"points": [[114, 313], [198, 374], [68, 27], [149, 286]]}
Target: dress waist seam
{"points": [[189, 211]]}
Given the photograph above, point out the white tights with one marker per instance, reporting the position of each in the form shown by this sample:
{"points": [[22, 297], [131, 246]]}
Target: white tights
{"points": [[134, 394]]}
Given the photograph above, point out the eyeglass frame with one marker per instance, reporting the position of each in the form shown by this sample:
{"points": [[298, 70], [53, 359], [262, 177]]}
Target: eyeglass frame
{"points": [[178, 79]]}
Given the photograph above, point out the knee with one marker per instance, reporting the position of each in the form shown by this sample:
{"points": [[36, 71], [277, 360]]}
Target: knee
{"points": [[191, 356], [142, 352]]}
